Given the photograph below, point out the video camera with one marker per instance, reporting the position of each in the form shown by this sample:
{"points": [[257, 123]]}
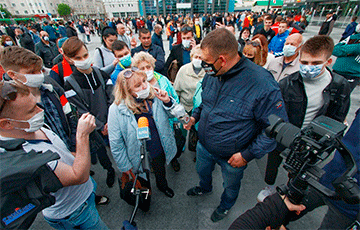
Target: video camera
{"points": [[308, 147]]}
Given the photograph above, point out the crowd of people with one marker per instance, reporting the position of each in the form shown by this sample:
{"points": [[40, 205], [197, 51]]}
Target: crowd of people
{"points": [[227, 85]]}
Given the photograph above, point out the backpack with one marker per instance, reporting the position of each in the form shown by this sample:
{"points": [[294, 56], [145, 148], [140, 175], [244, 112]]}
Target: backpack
{"points": [[26, 182]]}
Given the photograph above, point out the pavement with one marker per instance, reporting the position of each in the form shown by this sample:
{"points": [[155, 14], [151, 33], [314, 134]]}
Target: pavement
{"points": [[184, 212]]}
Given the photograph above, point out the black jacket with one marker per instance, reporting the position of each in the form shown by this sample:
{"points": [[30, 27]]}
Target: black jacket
{"points": [[175, 54], [27, 42], [336, 98], [70, 32], [47, 52]]}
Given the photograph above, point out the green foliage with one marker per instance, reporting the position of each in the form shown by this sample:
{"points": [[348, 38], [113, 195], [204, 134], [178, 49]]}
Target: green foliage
{"points": [[7, 13], [64, 9]]}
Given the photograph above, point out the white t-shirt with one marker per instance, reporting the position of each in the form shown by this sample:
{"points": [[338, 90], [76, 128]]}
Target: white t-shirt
{"points": [[68, 199]]}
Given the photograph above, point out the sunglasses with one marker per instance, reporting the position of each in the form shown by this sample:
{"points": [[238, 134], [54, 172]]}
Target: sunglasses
{"points": [[130, 72], [255, 44], [8, 93], [186, 28]]}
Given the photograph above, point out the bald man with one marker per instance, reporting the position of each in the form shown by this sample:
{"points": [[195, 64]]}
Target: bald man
{"points": [[156, 38], [46, 49], [121, 34], [283, 66]]}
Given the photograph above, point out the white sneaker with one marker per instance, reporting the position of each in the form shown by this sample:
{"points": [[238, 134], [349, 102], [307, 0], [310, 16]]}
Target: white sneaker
{"points": [[267, 191]]}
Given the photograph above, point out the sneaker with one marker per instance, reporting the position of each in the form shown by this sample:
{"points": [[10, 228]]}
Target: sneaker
{"points": [[267, 191], [110, 179], [219, 214], [196, 191]]}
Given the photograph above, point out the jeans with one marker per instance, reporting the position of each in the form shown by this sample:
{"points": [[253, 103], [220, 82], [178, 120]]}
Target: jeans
{"points": [[205, 164], [171, 40], [85, 217]]}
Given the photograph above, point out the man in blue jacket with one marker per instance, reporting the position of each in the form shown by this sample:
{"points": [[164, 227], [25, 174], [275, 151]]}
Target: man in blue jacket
{"points": [[237, 98], [277, 43]]}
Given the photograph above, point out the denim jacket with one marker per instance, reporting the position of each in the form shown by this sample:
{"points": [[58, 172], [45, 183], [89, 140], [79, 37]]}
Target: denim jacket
{"points": [[124, 144]]}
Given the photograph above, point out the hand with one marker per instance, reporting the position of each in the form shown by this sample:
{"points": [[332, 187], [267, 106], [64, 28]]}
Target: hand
{"points": [[162, 95], [237, 160], [192, 43], [105, 131], [191, 123], [293, 207], [86, 124], [116, 60], [219, 25], [128, 172]]}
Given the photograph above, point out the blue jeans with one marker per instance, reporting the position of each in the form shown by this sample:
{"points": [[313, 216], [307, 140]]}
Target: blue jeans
{"points": [[85, 217], [171, 40], [205, 164]]}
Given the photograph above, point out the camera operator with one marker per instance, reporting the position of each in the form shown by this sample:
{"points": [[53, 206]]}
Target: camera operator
{"points": [[311, 92], [275, 210]]}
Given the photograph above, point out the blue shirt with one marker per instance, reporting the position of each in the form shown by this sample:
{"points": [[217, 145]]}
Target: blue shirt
{"points": [[186, 57]]}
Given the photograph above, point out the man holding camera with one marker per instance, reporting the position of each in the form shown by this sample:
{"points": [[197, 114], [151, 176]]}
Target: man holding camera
{"points": [[309, 93]]}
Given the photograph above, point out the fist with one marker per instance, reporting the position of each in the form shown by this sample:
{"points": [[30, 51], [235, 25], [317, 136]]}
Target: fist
{"points": [[86, 124], [191, 123]]}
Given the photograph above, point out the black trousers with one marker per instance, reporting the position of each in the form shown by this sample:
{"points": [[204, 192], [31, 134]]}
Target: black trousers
{"points": [[272, 167], [158, 165], [98, 148]]}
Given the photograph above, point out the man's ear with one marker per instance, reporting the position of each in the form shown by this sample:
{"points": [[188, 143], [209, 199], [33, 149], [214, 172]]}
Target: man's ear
{"points": [[329, 61], [5, 124], [11, 74]]}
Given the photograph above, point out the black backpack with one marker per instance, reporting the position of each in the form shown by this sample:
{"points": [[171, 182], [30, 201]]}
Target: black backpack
{"points": [[26, 182]]}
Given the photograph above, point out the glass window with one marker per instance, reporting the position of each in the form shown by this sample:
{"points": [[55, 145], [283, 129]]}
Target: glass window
{"points": [[26, 12], [30, 4], [35, 4], [22, 4], [39, 4], [13, 4], [17, 12]]}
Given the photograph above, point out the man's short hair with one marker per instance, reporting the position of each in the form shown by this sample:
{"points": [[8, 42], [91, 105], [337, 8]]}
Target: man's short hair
{"points": [[320, 44], [118, 45], [220, 41], [268, 18], [16, 58], [143, 31], [284, 21], [230, 25], [12, 87], [72, 46]]}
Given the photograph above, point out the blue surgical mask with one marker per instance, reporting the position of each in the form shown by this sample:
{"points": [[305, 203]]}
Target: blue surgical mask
{"points": [[310, 71], [126, 61], [289, 50]]}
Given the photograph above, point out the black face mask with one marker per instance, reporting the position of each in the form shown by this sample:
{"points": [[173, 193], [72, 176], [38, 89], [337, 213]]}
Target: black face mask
{"points": [[252, 59], [210, 68]]}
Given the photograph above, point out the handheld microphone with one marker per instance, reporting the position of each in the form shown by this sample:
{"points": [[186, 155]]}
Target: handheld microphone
{"points": [[143, 134]]}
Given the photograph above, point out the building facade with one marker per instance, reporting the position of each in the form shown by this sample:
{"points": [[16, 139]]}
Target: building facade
{"points": [[30, 8], [122, 8]]}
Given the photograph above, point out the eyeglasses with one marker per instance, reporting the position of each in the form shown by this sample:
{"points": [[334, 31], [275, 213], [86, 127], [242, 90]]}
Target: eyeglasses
{"points": [[186, 29], [128, 73], [8, 93], [255, 44]]}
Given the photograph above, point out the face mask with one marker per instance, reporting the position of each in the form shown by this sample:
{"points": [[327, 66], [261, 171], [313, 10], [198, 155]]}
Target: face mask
{"points": [[197, 23], [186, 43], [36, 122], [34, 80], [209, 68], [150, 75], [9, 43], [289, 50], [310, 71], [143, 94], [83, 64], [46, 38], [128, 32], [252, 59], [126, 60], [196, 63]]}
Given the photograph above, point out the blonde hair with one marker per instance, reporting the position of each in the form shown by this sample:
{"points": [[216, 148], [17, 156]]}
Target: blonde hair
{"points": [[122, 91], [194, 50], [258, 59], [141, 57]]}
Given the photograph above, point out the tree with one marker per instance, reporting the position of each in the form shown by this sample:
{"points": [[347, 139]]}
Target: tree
{"points": [[64, 9], [5, 12]]}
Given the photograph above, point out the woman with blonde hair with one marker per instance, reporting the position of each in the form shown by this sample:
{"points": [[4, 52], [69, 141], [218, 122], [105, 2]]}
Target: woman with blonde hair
{"points": [[266, 57], [145, 62], [135, 98], [252, 51]]}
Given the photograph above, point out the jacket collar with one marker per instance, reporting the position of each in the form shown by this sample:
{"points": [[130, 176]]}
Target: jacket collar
{"points": [[238, 67]]}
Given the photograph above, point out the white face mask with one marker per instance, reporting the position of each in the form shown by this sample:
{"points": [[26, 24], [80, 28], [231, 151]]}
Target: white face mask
{"points": [[150, 75], [289, 50], [197, 23], [9, 43], [196, 63], [34, 80], [46, 38], [143, 94], [186, 43], [84, 65], [36, 122]]}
